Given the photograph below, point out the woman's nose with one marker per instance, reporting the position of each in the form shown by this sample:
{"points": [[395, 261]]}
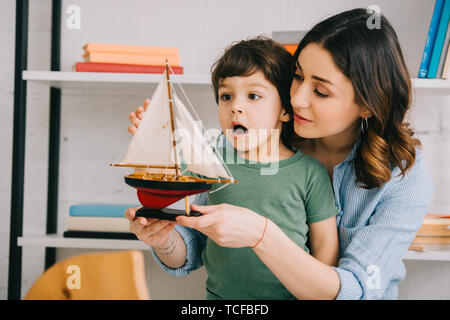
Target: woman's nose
{"points": [[300, 97]]}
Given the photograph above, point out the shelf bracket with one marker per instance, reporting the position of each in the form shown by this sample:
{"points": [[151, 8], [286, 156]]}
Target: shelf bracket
{"points": [[54, 134], [18, 158]]}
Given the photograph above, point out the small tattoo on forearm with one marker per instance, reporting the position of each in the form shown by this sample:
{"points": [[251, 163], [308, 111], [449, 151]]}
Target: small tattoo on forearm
{"points": [[169, 249], [170, 244]]}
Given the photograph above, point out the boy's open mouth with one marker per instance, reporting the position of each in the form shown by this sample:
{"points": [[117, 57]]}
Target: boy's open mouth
{"points": [[239, 129]]}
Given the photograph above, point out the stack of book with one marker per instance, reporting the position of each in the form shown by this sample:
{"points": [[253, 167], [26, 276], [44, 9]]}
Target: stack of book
{"points": [[433, 234], [436, 55], [121, 58], [105, 221]]}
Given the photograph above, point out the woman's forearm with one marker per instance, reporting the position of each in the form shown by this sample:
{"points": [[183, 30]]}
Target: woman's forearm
{"points": [[173, 254], [303, 275]]}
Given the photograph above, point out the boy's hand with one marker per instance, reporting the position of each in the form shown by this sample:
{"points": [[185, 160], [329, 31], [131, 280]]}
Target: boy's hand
{"points": [[136, 117], [153, 232]]}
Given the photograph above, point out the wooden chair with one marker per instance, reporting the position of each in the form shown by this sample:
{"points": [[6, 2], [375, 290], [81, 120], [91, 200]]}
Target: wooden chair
{"points": [[118, 275]]}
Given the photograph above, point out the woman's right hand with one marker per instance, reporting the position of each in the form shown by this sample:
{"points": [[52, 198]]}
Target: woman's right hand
{"points": [[154, 232], [136, 117]]}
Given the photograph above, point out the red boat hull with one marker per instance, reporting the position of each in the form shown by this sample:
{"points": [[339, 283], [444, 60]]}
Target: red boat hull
{"points": [[159, 199], [160, 194]]}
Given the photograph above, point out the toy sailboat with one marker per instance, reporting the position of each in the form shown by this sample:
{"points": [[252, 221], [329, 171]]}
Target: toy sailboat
{"points": [[155, 154]]}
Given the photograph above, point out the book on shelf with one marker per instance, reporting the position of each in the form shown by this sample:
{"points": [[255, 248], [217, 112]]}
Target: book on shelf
{"points": [[100, 209], [443, 54], [129, 58], [439, 42], [121, 58], [98, 220], [105, 224], [431, 38], [122, 68], [446, 68], [100, 235], [291, 48], [133, 49], [434, 231], [431, 240], [429, 247]]}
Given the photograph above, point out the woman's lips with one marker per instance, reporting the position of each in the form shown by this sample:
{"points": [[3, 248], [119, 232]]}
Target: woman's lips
{"points": [[301, 120]]}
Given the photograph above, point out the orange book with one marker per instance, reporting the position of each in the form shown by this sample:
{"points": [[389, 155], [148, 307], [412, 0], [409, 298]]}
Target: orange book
{"points": [[122, 68], [435, 225], [437, 216], [131, 49], [434, 230], [136, 59], [291, 48]]}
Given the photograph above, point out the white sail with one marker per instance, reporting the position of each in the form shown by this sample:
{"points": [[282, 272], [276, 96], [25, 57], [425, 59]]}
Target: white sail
{"points": [[152, 142], [197, 154]]}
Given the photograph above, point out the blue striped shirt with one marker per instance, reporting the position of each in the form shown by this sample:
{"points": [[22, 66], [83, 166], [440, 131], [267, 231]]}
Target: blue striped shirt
{"points": [[375, 229]]}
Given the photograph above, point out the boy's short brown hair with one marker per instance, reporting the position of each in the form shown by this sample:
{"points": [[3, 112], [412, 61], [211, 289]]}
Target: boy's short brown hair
{"points": [[246, 57]]}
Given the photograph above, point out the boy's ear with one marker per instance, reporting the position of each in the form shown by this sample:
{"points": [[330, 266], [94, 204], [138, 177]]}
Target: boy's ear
{"points": [[284, 116]]}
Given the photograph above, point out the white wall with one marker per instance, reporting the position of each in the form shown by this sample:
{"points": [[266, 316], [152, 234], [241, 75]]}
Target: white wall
{"points": [[94, 123]]}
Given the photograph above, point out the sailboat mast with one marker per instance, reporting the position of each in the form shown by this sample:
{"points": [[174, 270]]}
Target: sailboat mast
{"points": [[172, 121]]}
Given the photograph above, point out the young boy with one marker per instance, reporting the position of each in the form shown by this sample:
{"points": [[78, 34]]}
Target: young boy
{"points": [[251, 85]]}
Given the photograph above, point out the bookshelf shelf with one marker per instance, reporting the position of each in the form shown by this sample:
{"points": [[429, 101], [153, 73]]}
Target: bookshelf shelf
{"points": [[58, 241], [430, 83], [98, 80], [443, 255]]}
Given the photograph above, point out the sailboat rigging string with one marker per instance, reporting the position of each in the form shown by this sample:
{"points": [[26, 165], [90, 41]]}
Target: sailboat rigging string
{"points": [[204, 132], [121, 157], [216, 153]]}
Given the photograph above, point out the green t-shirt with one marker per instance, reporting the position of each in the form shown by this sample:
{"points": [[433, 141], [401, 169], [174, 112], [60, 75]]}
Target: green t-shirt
{"points": [[291, 193]]}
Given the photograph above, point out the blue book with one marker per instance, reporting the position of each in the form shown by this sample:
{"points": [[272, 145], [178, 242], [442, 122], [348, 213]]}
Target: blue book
{"points": [[439, 43], [429, 44], [100, 210]]}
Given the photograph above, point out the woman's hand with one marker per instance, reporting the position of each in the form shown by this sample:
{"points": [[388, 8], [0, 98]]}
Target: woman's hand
{"points": [[136, 117], [154, 232], [227, 225]]}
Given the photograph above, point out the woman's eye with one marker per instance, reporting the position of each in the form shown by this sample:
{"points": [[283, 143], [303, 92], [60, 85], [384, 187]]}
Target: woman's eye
{"points": [[225, 97], [254, 96], [297, 76], [320, 94]]}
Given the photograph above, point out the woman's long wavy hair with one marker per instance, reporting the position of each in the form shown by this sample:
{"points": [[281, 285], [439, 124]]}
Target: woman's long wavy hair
{"points": [[373, 61]]}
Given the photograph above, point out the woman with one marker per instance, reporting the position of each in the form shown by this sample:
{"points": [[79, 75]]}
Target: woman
{"points": [[350, 93]]}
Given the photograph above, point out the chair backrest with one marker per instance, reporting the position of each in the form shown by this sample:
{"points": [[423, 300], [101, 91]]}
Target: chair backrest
{"points": [[94, 276]]}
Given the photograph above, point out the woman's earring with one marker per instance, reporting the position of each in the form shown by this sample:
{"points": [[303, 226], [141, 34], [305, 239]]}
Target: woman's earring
{"points": [[366, 122]]}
